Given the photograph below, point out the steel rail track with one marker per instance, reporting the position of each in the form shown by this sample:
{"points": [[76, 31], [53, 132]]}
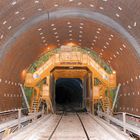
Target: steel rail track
{"points": [[64, 113], [83, 126], [56, 127], [82, 120]]}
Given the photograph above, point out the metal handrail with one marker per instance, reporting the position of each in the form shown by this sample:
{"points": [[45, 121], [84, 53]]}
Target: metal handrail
{"points": [[129, 114], [12, 110], [19, 121], [123, 123], [8, 111]]}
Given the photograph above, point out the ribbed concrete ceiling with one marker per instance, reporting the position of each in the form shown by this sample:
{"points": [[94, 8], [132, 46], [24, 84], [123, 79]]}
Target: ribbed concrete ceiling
{"points": [[110, 27]]}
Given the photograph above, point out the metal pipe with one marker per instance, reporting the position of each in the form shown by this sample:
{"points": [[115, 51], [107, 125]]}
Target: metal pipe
{"points": [[116, 95], [24, 96], [124, 122], [129, 114], [19, 118]]}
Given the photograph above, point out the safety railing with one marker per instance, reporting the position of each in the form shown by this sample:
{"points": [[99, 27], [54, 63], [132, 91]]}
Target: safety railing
{"points": [[8, 111], [122, 123], [8, 115], [129, 114], [20, 120]]}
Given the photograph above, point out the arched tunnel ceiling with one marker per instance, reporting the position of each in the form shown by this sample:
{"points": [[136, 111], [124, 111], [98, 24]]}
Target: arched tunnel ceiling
{"points": [[110, 27]]}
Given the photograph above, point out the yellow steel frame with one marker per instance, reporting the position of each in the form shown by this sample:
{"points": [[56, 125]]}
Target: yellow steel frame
{"points": [[71, 60]]}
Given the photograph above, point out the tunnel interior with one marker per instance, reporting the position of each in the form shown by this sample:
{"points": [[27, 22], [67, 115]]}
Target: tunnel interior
{"points": [[68, 93], [109, 27]]}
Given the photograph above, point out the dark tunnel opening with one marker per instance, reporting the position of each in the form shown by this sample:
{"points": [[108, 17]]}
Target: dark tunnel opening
{"points": [[68, 93]]}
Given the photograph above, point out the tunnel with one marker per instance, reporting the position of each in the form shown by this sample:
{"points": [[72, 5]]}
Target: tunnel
{"points": [[31, 28], [68, 92], [109, 27]]}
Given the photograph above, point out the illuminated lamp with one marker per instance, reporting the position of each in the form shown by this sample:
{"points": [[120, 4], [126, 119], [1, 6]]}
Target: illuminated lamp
{"points": [[71, 44], [114, 72]]}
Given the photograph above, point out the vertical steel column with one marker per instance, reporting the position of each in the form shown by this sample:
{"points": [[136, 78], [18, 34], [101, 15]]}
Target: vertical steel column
{"points": [[124, 122], [92, 99], [19, 118], [86, 89], [90, 91], [53, 86], [84, 93], [52, 91]]}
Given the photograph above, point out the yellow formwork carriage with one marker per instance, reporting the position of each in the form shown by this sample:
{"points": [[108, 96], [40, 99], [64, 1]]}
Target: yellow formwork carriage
{"points": [[32, 79], [73, 59]]}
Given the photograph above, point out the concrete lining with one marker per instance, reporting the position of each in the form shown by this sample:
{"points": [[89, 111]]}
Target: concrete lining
{"points": [[71, 12]]}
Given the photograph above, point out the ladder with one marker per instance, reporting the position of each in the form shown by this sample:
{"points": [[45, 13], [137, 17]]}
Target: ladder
{"points": [[35, 106], [106, 103], [35, 102]]}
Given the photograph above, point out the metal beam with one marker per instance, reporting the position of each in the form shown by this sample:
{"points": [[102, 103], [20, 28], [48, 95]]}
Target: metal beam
{"points": [[24, 96], [116, 95]]}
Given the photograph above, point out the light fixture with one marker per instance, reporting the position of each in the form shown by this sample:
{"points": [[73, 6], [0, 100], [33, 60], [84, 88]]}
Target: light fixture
{"points": [[114, 72]]}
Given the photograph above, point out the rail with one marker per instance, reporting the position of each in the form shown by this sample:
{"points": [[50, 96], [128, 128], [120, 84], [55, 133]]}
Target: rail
{"points": [[8, 111], [51, 135], [12, 110], [129, 114], [88, 138], [87, 125], [18, 122], [126, 126]]}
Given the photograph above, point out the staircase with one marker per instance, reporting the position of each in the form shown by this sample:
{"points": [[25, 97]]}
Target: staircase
{"points": [[106, 104], [34, 104]]}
